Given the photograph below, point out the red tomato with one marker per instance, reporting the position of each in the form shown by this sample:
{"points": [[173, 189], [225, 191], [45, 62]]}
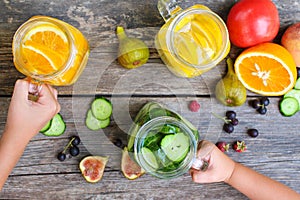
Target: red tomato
{"points": [[251, 22]]}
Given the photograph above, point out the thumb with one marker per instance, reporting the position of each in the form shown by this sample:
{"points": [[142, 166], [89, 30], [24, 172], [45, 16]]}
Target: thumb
{"points": [[204, 150]]}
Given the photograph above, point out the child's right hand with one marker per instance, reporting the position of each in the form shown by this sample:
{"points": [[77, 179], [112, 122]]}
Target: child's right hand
{"points": [[220, 166], [25, 117]]}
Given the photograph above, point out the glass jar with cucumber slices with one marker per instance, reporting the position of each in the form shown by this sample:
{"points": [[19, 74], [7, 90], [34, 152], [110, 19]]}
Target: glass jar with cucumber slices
{"points": [[163, 143]]}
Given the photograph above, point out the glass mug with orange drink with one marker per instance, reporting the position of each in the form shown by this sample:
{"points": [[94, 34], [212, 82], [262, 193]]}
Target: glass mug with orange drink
{"points": [[192, 41], [48, 50]]}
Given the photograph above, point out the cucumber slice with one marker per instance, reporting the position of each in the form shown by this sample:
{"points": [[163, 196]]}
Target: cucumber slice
{"points": [[57, 127], [289, 106], [295, 94], [163, 160], [101, 108], [149, 157], [297, 84], [93, 123], [169, 129], [191, 126], [175, 146], [46, 127]]}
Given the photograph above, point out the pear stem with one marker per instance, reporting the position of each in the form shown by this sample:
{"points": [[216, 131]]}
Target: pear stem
{"points": [[230, 65], [121, 33]]}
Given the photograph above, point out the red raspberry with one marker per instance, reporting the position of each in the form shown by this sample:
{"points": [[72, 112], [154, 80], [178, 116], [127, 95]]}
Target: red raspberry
{"points": [[223, 146], [194, 106]]}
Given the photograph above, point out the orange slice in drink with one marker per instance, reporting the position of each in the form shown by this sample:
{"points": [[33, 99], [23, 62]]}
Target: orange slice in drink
{"points": [[45, 49], [266, 69]]}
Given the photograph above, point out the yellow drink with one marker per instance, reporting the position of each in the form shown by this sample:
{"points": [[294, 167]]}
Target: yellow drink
{"points": [[193, 41], [50, 51]]}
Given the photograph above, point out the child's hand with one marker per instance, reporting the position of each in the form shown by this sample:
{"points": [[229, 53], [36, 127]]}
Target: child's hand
{"points": [[25, 117], [220, 166]]}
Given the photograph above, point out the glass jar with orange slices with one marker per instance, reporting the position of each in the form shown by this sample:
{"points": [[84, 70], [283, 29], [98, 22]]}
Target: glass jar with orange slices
{"points": [[50, 51], [193, 40]]}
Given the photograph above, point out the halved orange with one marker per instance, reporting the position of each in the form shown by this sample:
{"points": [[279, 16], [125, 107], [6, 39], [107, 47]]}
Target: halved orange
{"points": [[45, 49], [267, 69]]}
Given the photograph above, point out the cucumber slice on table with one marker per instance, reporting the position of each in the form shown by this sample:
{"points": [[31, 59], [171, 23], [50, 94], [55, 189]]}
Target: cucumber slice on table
{"points": [[93, 123], [295, 94], [297, 84], [101, 108], [57, 126], [149, 157], [175, 146], [289, 106]]}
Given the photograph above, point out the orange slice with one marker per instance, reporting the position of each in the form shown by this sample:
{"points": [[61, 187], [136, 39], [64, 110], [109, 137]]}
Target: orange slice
{"points": [[266, 69], [45, 49]]}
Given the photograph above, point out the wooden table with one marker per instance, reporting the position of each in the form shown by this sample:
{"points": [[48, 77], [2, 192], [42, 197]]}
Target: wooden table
{"points": [[39, 175]]}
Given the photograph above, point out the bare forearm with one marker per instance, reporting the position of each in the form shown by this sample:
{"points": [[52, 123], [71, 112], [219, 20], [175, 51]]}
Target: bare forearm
{"points": [[258, 186], [11, 149]]}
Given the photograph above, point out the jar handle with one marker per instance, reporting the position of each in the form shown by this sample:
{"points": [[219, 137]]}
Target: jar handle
{"points": [[200, 164], [201, 161], [168, 8], [34, 89]]}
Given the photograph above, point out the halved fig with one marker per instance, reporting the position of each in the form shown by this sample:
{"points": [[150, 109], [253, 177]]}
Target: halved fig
{"points": [[130, 169], [92, 168]]}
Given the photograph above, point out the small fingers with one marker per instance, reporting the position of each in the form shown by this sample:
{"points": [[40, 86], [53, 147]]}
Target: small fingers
{"points": [[197, 176], [53, 90], [55, 95], [48, 97]]}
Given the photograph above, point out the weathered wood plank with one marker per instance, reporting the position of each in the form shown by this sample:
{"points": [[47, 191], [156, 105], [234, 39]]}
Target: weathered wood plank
{"points": [[39, 175], [98, 21], [114, 186], [275, 153]]}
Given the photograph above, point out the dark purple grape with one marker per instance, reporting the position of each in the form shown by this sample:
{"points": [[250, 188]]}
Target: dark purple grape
{"points": [[262, 110], [228, 128], [61, 156], [255, 104], [234, 121], [74, 151], [253, 132], [118, 143], [75, 140], [230, 114], [265, 101]]}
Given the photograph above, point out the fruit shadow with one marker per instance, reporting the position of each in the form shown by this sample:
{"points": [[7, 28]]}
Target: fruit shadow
{"points": [[117, 136]]}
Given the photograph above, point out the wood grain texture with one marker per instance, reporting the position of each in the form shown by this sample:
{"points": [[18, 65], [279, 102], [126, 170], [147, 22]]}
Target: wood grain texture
{"points": [[275, 152], [114, 186], [39, 175], [98, 20]]}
